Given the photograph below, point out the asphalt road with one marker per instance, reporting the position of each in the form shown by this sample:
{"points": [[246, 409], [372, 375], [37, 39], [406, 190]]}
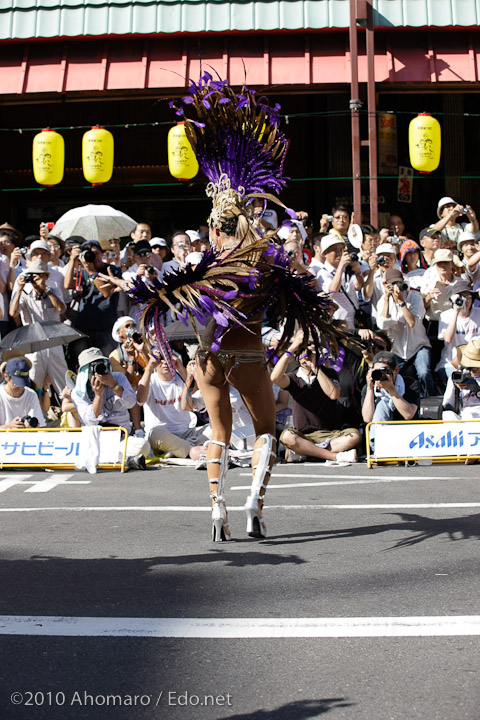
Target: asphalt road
{"points": [[383, 545]]}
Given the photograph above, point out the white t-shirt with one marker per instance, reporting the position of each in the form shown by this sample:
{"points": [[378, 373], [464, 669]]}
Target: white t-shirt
{"points": [[467, 329], [26, 404], [163, 406]]}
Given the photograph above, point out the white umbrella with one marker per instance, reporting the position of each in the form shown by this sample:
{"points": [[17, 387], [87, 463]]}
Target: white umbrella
{"points": [[94, 222]]}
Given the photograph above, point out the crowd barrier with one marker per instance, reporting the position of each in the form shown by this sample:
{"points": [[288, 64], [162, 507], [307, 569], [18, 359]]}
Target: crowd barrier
{"points": [[428, 440], [62, 448]]}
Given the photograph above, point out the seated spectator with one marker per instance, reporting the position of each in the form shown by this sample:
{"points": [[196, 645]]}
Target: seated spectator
{"points": [[17, 400], [400, 312], [342, 277], [449, 212], [169, 429], [412, 263], [130, 358], [461, 400], [104, 398], [430, 240], [36, 300], [457, 326], [388, 397], [315, 390]]}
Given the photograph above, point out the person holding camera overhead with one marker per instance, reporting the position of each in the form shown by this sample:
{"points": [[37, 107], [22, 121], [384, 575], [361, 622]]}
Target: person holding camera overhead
{"points": [[387, 395], [400, 311], [19, 404], [98, 301], [342, 277], [457, 326], [103, 397]]}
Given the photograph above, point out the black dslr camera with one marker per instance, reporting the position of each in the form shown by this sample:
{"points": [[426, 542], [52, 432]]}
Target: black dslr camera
{"points": [[28, 277], [30, 421], [88, 256], [133, 334], [99, 367], [381, 374]]}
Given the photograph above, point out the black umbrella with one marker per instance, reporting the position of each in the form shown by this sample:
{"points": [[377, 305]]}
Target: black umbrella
{"points": [[39, 336], [179, 331]]}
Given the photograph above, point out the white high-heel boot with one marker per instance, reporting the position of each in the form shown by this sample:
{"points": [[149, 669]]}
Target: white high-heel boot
{"points": [[220, 529], [256, 526]]}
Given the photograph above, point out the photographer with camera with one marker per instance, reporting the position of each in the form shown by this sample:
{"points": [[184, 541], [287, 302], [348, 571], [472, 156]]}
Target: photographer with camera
{"points": [[35, 300], [386, 395], [400, 312], [19, 404], [461, 400], [97, 300], [103, 397], [457, 326], [130, 358], [448, 225], [181, 247], [379, 262], [342, 277]]}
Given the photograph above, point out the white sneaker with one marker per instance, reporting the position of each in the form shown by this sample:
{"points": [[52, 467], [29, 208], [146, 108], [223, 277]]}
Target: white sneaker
{"points": [[347, 456], [292, 457]]}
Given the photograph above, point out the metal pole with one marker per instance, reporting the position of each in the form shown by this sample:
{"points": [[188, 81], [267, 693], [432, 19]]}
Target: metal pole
{"points": [[372, 118], [355, 105]]}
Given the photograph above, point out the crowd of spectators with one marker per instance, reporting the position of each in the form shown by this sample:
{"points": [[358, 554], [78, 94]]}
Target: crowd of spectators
{"points": [[407, 301]]}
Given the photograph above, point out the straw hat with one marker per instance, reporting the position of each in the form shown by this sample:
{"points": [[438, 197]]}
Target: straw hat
{"points": [[469, 355]]}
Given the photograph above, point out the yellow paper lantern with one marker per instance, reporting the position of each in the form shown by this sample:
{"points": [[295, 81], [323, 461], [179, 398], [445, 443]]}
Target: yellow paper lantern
{"points": [[182, 162], [424, 140], [97, 155], [48, 155]]}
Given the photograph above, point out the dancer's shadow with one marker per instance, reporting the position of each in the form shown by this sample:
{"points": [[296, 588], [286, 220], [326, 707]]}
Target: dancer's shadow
{"points": [[466, 527], [300, 710]]}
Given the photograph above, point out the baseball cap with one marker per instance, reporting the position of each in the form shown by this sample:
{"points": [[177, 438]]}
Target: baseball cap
{"points": [[393, 275], [89, 355], [329, 241], [462, 286], [142, 245], [18, 369], [442, 255], [193, 235], [39, 245], [158, 242], [74, 241], [465, 236], [430, 230], [39, 267], [444, 201], [385, 248]]}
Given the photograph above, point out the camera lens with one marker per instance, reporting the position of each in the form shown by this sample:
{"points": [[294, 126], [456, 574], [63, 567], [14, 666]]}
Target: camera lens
{"points": [[381, 260], [150, 270], [376, 375], [28, 277], [354, 257], [88, 256]]}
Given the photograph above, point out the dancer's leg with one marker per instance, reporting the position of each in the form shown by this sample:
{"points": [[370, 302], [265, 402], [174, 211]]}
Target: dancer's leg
{"points": [[254, 385], [215, 392]]}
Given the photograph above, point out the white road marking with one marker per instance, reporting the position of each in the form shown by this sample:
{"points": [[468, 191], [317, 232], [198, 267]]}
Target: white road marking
{"points": [[240, 508], [355, 627], [322, 483], [44, 485]]}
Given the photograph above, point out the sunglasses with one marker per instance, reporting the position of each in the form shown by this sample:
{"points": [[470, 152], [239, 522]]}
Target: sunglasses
{"points": [[144, 253]]}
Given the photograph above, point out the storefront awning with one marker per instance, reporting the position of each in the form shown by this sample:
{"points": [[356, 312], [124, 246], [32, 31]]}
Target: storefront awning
{"points": [[283, 59]]}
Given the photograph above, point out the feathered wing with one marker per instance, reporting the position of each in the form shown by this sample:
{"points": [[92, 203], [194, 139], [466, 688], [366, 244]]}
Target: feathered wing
{"points": [[234, 134]]}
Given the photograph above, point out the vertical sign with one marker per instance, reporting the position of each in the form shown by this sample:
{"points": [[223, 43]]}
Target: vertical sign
{"points": [[387, 144], [405, 184]]}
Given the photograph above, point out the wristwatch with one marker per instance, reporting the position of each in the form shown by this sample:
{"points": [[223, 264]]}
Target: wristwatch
{"points": [[402, 304]]}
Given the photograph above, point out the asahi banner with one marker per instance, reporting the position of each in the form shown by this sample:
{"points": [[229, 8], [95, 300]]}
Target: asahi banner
{"points": [[426, 440]]}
